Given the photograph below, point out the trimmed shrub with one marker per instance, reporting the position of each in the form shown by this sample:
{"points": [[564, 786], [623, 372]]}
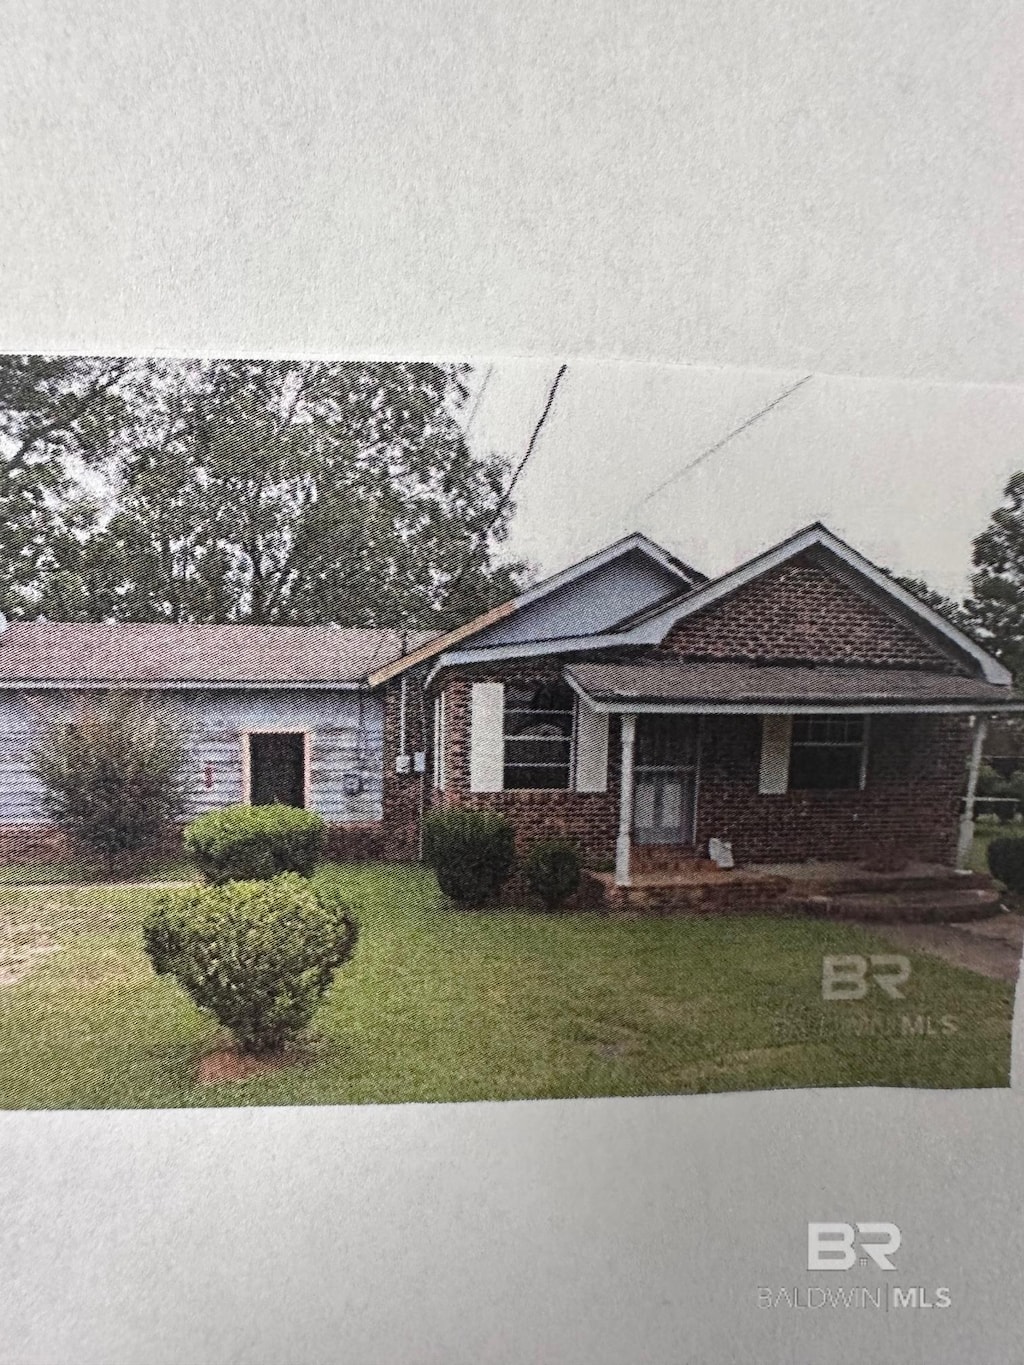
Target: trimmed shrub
{"points": [[553, 869], [991, 783], [471, 852], [258, 955], [114, 775], [1006, 861], [253, 843]]}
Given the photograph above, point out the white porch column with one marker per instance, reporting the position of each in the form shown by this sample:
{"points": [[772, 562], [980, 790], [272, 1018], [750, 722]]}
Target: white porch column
{"points": [[967, 819], [624, 843]]}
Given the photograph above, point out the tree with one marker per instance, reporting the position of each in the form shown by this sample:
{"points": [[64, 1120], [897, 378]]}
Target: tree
{"points": [[279, 492], [115, 777], [59, 416], [996, 604], [954, 612]]}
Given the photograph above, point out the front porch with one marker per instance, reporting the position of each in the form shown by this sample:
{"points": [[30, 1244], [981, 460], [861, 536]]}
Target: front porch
{"points": [[916, 893], [762, 786]]}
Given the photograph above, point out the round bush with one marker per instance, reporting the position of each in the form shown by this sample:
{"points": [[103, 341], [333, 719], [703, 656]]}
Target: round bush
{"points": [[1006, 861], [258, 955], [471, 852], [251, 843], [553, 868]]}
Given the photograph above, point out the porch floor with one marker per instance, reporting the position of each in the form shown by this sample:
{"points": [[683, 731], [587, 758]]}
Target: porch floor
{"points": [[916, 892]]}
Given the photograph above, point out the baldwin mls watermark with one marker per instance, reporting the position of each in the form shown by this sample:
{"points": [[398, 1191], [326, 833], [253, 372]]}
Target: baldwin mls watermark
{"points": [[853, 976], [838, 1248]]}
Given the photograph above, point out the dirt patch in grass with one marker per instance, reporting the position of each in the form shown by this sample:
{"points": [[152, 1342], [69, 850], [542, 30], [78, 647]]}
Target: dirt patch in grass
{"points": [[227, 1064], [22, 946]]}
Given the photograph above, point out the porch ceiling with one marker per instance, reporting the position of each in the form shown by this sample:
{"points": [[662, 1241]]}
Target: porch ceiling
{"points": [[663, 685]]}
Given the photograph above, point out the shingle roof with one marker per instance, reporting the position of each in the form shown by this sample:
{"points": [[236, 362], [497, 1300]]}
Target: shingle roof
{"points": [[778, 684], [169, 655]]}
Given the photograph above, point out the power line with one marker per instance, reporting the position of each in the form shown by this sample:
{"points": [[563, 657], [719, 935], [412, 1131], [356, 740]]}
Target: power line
{"points": [[713, 450], [478, 400], [512, 482]]}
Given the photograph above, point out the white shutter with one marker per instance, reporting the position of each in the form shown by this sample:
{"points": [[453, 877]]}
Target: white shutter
{"points": [[487, 738], [591, 749], [775, 736]]}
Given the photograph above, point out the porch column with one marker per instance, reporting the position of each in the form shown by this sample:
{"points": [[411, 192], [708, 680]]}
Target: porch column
{"points": [[967, 819], [624, 843]]}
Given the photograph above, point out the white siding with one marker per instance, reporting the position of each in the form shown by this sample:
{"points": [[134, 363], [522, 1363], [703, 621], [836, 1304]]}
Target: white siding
{"points": [[775, 737], [347, 736], [487, 738], [591, 749]]}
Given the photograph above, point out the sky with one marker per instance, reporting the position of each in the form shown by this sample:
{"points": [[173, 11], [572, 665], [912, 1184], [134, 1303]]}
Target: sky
{"points": [[908, 472]]}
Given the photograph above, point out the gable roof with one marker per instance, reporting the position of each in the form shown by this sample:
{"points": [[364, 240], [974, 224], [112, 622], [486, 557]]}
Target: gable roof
{"points": [[685, 577], [127, 654], [817, 536], [651, 625]]}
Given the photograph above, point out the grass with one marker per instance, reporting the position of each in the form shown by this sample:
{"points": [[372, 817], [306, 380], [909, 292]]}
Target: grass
{"points": [[83, 873], [442, 1005]]}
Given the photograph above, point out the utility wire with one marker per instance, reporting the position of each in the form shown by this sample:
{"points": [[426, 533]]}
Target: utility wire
{"points": [[512, 483], [713, 450], [479, 399]]}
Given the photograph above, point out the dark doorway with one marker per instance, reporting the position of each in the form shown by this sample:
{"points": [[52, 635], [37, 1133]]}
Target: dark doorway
{"points": [[277, 769], [664, 795]]}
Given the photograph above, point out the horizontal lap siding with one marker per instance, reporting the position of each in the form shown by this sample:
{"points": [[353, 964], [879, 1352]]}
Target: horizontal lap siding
{"points": [[347, 736], [20, 793]]}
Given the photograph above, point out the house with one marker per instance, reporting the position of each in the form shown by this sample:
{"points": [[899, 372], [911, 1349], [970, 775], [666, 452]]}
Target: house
{"points": [[802, 707]]}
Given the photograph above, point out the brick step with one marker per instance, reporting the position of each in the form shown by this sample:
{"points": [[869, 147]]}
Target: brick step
{"points": [[948, 905], [898, 884]]}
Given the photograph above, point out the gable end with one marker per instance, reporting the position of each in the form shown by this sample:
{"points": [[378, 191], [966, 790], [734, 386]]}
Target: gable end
{"points": [[812, 608]]}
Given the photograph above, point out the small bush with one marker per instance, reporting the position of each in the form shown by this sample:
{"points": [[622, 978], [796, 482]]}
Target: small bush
{"points": [[471, 852], [991, 783], [553, 869], [1006, 861], [258, 955], [252, 843]]}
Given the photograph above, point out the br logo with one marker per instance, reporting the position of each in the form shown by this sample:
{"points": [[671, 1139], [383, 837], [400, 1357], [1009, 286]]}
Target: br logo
{"points": [[848, 977], [834, 1246]]}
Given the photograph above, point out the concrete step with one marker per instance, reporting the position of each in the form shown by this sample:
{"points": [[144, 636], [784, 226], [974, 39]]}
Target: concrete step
{"points": [[940, 905]]}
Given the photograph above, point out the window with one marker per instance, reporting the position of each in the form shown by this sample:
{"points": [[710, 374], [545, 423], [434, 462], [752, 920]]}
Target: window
{"points": [[828, 753], [538, 735]]}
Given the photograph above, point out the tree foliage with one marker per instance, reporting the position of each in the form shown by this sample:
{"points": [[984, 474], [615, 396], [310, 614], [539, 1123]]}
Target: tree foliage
{"points": [[996, 604], [267, 491]]}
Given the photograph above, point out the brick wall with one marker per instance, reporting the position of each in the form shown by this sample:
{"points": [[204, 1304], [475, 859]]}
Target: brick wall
{"points": [[910, 802], [590, 818], [800, 611], [915, 778]]}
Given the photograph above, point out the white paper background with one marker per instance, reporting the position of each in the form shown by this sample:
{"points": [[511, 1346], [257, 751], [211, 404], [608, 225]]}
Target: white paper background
{"points": [[806, 186]]}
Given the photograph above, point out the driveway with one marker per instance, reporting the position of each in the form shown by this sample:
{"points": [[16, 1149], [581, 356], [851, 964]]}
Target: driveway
{"points": [[990, 947]]}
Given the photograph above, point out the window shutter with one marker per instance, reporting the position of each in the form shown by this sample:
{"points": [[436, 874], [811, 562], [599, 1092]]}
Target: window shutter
{"points": [[775, 736], [591, 750], [487, 738]]}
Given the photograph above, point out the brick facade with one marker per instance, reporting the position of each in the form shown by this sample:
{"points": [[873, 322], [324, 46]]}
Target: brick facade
{"points": [[589, 818], [801, 611], [909, 805]]}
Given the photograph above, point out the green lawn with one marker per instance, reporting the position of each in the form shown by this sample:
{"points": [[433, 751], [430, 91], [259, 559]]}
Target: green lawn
{"points": [[445, 1005]]}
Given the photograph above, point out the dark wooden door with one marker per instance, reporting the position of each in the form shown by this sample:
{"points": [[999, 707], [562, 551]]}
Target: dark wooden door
{"points": [[277, 769]]}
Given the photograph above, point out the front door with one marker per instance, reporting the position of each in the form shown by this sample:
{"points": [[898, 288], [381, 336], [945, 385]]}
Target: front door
{"points": [[664, 796], [277, 769]]}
